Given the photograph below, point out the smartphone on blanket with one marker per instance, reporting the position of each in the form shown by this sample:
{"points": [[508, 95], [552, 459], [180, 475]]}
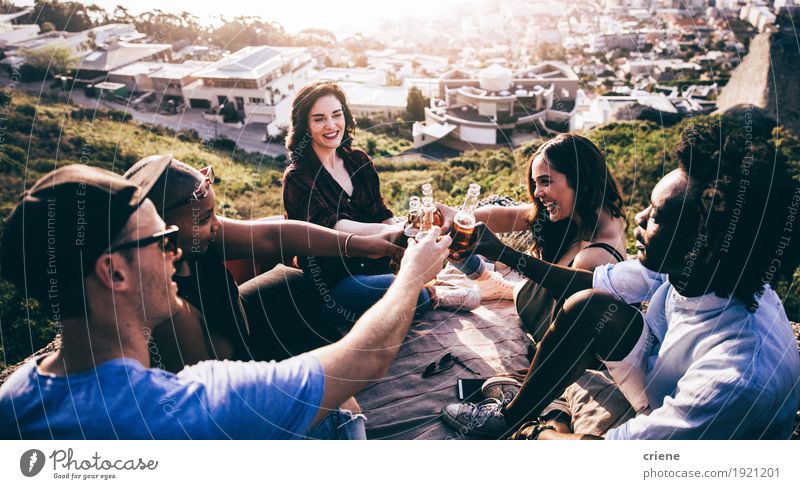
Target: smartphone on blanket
{"points": [[470, 389]]}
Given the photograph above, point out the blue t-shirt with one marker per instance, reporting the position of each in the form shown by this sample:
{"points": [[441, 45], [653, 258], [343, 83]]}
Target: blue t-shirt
{"points": [[120, 399]]}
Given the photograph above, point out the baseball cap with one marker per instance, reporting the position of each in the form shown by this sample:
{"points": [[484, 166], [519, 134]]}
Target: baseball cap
{"points": [[173, 187], [64, 223]]}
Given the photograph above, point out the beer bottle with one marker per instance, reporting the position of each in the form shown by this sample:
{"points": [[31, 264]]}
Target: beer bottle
{"points": [[414, 213], [464, 221], [426, 218], [427, 191]]}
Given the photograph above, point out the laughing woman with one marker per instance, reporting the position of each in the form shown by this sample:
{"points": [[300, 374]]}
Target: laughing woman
{"points": [[575, 213], [332, 184]]}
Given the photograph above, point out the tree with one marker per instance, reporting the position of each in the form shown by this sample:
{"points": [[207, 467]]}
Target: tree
{"points": [[249, 31], [45, 63], [360, 60], [315, 37], [372, 145], [64, 16], [46, 27], [415, 105]]}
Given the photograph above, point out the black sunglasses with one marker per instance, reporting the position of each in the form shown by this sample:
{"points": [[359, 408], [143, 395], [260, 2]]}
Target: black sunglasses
{"points": [[167, 239], [443, 364]]}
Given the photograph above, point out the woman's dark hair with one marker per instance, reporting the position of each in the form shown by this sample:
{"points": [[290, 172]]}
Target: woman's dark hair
{"points": [[595, 188], [747, 200], [298, 140]]}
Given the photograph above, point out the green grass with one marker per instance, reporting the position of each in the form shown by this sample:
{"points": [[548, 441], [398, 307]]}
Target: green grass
{"points": [[43, 135]]}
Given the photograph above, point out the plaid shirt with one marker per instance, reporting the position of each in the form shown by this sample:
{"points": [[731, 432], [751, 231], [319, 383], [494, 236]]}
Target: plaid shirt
{"points": [[311, 194]]}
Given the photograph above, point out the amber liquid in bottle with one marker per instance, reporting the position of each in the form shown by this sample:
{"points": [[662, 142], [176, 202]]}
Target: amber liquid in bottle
{"points": [[427, 192], [463, 225], [464, 222]]}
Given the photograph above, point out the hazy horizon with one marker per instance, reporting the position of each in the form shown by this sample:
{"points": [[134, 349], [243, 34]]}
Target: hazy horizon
{"points": [[343, 18]]}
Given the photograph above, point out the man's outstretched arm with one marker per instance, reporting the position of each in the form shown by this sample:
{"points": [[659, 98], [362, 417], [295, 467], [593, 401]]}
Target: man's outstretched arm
{"points": [[364, 355]]}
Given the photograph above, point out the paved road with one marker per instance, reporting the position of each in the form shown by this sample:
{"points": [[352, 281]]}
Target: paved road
{"points": [[248, 138]]}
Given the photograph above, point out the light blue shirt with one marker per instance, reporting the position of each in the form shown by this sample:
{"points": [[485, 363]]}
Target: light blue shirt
{"points": [[712, 370], [120, 399]]}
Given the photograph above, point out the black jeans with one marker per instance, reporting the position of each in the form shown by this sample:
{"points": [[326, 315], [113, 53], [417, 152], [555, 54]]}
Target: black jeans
{"points": [[283, 311]]}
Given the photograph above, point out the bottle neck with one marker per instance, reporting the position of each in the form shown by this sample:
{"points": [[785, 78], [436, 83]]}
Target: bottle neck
{"points": [[470, 202]]}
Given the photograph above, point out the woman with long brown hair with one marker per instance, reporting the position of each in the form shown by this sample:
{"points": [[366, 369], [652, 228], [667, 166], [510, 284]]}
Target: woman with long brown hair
{"points": [[576, 214], [332, 184]]}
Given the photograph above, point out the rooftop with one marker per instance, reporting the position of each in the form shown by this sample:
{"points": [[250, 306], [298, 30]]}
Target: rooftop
{"points": [[372, 95], [357, 75], [250, 62], [119, 54]]}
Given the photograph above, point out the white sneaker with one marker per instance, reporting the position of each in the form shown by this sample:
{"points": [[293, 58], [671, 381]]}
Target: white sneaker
{"points": [[495, 286], [457, 298]]}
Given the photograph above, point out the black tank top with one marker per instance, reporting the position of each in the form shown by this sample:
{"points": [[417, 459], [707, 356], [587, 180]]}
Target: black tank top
{"points": [[536, 305]]}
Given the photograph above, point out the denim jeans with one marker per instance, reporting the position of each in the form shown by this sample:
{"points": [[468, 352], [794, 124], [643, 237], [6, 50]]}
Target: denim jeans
{"points": [[471, 266], [353, 295], [340, 425]]}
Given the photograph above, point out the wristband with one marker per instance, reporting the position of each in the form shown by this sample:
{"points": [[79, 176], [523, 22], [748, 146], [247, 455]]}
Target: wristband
{"points": [[346, 242]]}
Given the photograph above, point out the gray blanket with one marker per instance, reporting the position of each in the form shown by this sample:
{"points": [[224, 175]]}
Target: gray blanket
{"points": [[403, 405]]}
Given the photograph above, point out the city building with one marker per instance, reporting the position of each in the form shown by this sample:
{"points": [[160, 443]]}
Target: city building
{"points": [[375, 100], [165, 80], [96, 65], [257, 80], [487, 107], [11, 33], [356, 75], [630, 40], [759, 16]]}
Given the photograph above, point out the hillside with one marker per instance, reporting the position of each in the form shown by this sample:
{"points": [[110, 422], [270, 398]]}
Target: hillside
{"points": [[767, 78], [46, 133]]}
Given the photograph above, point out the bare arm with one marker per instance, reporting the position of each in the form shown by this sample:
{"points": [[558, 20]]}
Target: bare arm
{"points": [[367, 351], [497, 218], [560, 281], [246, 239], [365, 228], [504, 219]]}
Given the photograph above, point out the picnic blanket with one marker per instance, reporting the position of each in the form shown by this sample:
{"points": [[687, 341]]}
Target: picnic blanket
{"points": [[404, 405]]}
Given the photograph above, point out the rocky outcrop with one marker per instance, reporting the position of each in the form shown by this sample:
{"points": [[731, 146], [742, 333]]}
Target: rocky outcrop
{"points": [[768, 78]]}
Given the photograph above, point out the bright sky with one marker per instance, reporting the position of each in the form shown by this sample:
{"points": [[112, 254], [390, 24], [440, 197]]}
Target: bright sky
{"points": [[342, 17]]}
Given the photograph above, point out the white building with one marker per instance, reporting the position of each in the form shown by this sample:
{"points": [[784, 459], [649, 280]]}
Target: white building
{"points": [[10, 33], [258, 80], [371, 100], [429, 87], [165, 80], [355, 75], [660, 68], [759, 17], [96, 65], [485, 108]]}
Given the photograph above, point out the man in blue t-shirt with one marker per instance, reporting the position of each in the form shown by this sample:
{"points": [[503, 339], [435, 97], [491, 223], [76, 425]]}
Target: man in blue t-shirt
{"points": [[91, 248]]}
